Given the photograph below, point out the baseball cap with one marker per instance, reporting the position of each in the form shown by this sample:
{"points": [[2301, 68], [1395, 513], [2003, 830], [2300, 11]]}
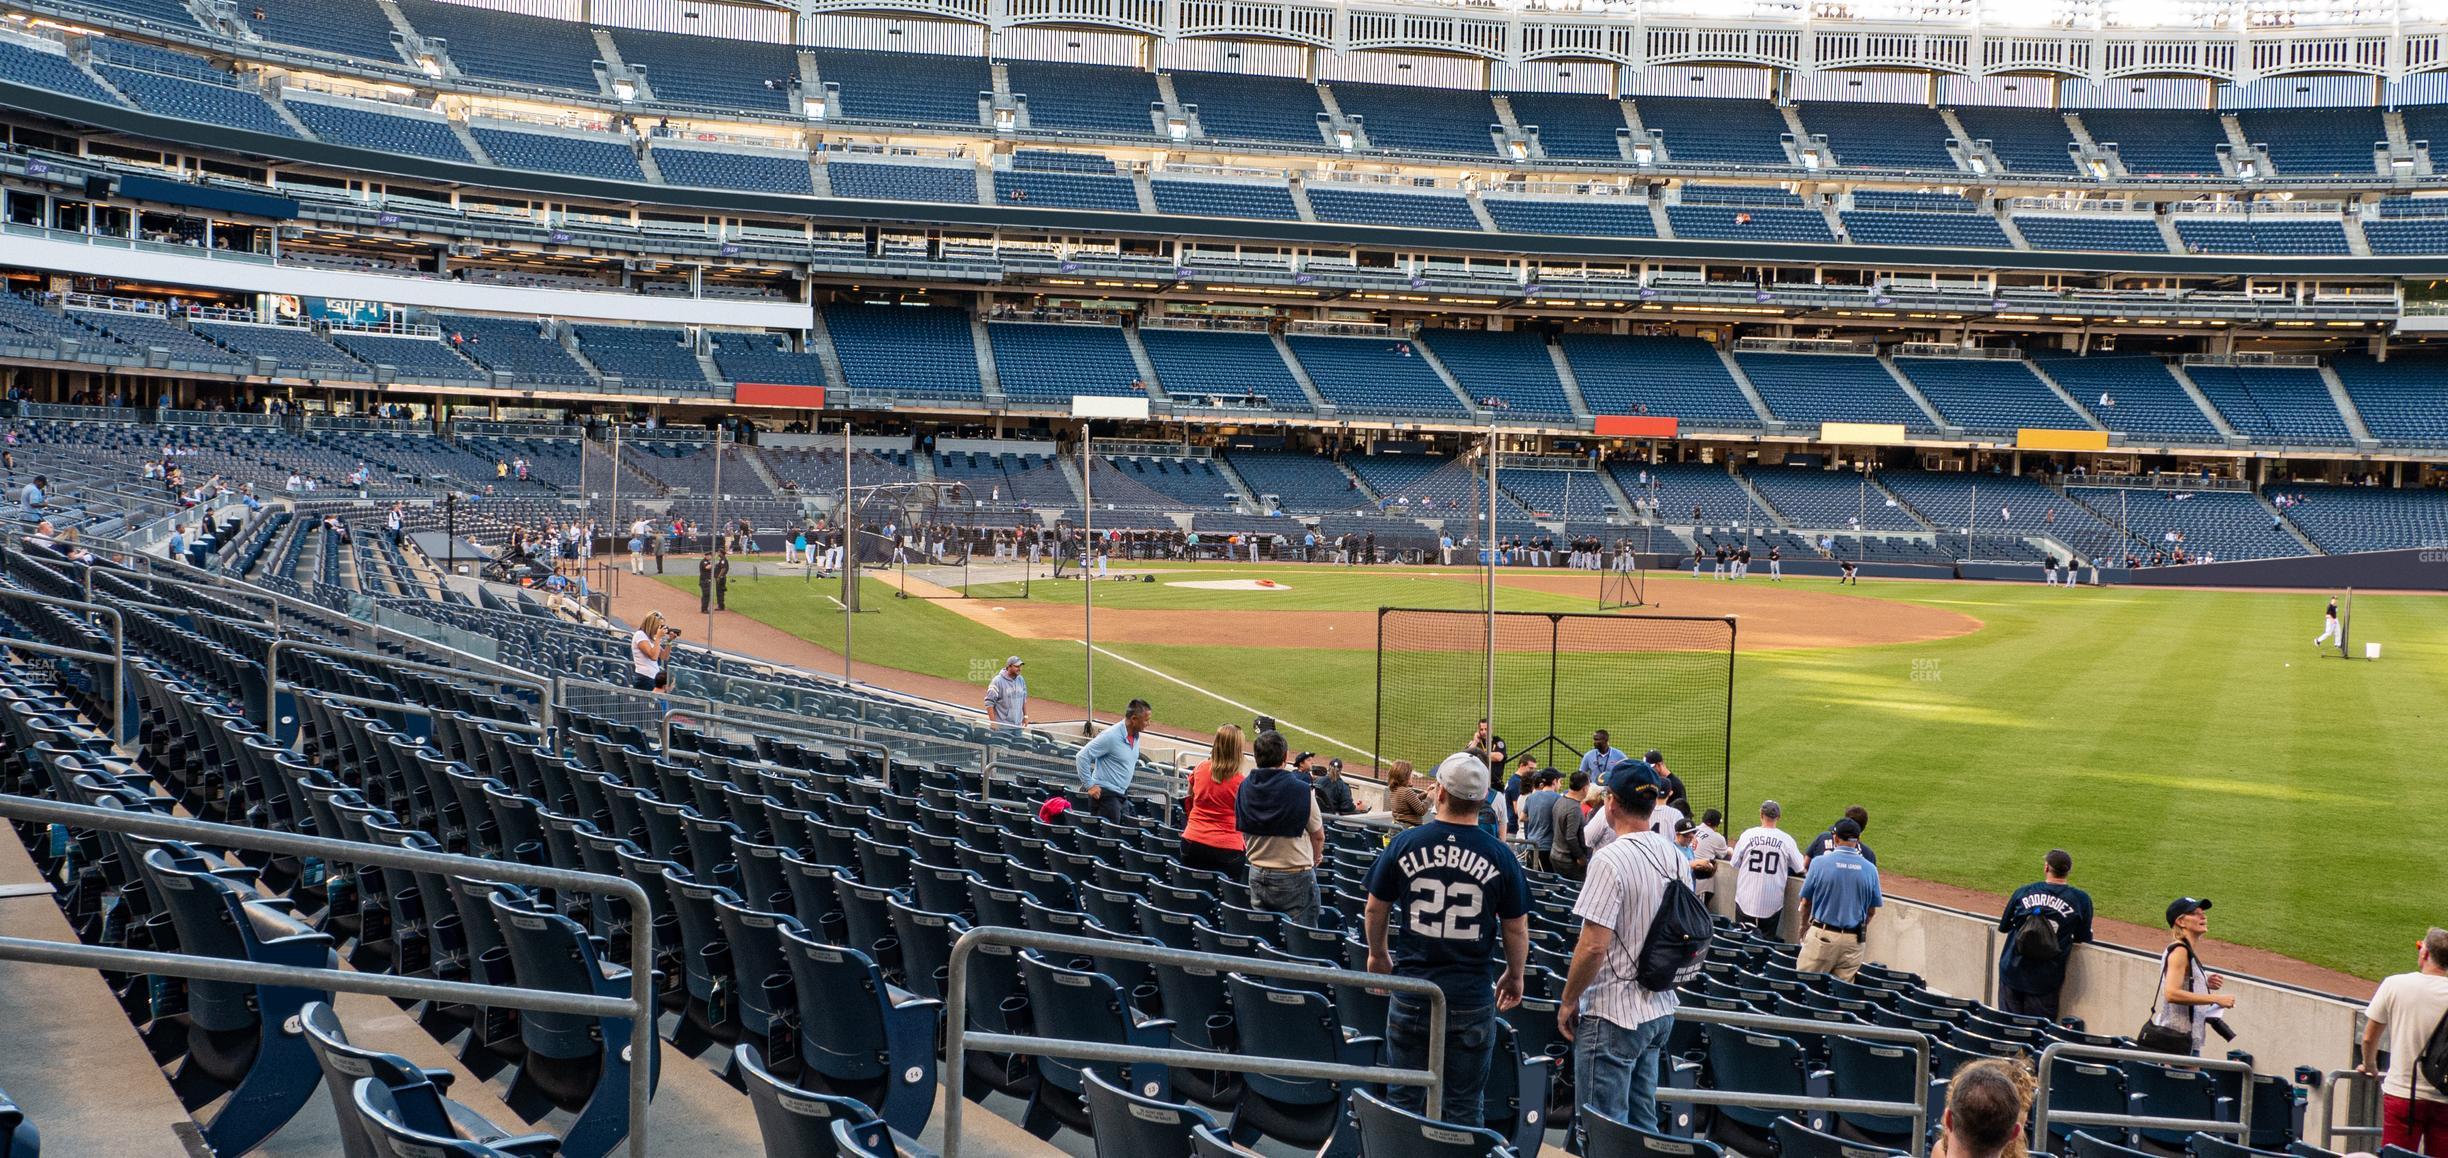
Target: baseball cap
{"points": [[1846, 829], [1335, 763], [1629, 778], [2182, 905], [1052, 809], [1014, 661], [1655, 756], [1685, 825], [1463, 777], [1771, 810]]}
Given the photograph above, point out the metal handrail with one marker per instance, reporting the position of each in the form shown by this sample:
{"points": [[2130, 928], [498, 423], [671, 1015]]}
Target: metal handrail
{"points": [[1917, 1110], [2042, 1115], [216, 582], [717, 711], [272, 684], [117, 658], [2330, 1131], [959, 1040], [639, 1007]]}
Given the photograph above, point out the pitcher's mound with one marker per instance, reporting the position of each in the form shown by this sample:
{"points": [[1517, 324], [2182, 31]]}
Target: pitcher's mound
{"points": [[1233, 584]]}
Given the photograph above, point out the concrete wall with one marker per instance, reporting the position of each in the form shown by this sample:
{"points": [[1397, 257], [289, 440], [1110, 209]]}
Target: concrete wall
{"points": [[2108, 987]]}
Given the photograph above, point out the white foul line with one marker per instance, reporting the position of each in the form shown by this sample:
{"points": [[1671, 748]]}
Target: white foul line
{"points": [[1281, 724]]}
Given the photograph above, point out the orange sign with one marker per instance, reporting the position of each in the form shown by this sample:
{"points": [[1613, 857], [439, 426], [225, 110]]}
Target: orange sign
{"points": [[771, 394], [1627, 426]]}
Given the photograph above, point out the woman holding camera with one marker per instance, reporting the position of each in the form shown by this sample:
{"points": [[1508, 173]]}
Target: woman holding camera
{"points": [[649, 647]]}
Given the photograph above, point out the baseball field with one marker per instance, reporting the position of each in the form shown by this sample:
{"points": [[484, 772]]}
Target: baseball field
{"points": [[2177, 742]]}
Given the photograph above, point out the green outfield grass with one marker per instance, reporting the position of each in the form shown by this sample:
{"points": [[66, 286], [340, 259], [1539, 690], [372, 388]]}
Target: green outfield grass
{"points": [[2176, 742]]}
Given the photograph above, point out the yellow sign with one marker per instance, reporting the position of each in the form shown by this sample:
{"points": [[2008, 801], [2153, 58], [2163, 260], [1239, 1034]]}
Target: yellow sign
{"points": [[2035, 438]]}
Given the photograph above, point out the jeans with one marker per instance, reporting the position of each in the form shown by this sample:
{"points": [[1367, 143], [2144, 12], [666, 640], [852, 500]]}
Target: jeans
{"points": [[1470, 1044], [1294, 894], [1616, 1069]]}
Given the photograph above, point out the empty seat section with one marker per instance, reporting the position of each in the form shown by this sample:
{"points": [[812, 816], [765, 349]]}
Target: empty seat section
{"points": [[1572, 126], [2407, 236], [707, 169], [301, 352], [643, 356], [1716, 130], [905, 86], [1302, 483], [1875, 135], [1614, 217], [1225, 199], [2026, 140], [1962, 230], [2160, 142], [1420, 120], [1830, 388], [1429, 483], [1698, 494], [2317, 142], [2143, 398], [352, 28], [1990, 396], [765, 358], [1195, 365], [2425, 123], [195, 100], [2221, 524], [1828, 499], [2274, 404], [921, 351], [2007, 505], [1162, 483], [1065, 190], [1233, 107], [2343, 518], [147, 331], [1748, 223], [1377, 376], [171, 14], [2229, 233], [2403, 400], [1509, 371], [370, 128], [1086, 98], [165, 61], [1371, 207], [2104, 232], [1667, 377], [713, 72], [1043, 363], [411, 357], [596, 155], [952, 184], [526, 50], [517, 346], [39, 68]]}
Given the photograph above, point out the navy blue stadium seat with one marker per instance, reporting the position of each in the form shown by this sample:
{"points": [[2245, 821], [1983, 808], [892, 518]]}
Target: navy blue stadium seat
{"points": [[793, 1120], [1127, 1124], [860, 1035], [1234, 107], [1388, 1131], [573, 1062], [1293, 1023], [1607, 1138]]}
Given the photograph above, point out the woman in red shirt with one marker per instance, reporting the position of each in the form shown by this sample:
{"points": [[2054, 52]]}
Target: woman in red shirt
{"points": [[1210, 839]]}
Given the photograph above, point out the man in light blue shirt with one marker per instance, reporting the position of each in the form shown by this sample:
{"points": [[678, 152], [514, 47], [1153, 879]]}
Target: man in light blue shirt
{"points": [[1107, 763], [1840, 894], [32, 496], [1601, 759]]}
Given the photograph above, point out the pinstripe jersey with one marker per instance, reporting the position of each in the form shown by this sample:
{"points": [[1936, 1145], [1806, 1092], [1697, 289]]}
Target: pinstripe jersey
{"points": [[1627, 882]]}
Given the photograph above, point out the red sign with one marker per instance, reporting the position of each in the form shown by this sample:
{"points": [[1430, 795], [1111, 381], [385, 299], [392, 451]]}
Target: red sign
{"points": [[1627, 426], [771, 394]]}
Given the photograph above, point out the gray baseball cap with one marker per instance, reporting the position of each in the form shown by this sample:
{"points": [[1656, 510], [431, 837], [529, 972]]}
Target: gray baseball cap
{"points": [[1463, 776], [1014, 661], [1772, 810]]}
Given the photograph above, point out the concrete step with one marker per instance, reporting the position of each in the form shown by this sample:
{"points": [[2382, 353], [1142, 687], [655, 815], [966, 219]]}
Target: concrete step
{"points": [[2202, 400]]}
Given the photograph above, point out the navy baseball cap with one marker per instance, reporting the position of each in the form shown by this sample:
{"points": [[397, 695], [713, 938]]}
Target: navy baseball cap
{"points": [[1628, 778], [2182, 905], [1846, 829], [1655, 756]]}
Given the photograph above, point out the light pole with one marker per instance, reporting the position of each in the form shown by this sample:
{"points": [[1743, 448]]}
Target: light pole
{"points": [[1088, 577]]}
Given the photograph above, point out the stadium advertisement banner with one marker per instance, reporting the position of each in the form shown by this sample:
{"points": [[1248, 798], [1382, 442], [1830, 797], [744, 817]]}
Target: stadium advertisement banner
{"points": [[1097, 406], [345, 311], [2038, 438], [776, 394], [1862, 433], [1627, 426]]}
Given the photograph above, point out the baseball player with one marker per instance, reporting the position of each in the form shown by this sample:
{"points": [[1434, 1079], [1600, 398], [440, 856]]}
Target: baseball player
{"points": [[2330, 631], [1742, 561], [1852, 573], [1776, 565], [1722, 556], [2050, 569], [1697, 560]]}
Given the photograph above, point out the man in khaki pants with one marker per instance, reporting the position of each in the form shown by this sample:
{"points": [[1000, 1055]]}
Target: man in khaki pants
{"points": [[1839, 896]]}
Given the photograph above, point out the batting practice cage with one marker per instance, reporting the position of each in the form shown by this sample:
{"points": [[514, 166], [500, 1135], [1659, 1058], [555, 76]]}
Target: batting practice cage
{"points": [[1650, 681], [1624, 584], [939, 542]]}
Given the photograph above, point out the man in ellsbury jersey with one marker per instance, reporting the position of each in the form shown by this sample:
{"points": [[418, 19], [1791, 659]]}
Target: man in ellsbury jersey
{"points": [[1462, 895]]}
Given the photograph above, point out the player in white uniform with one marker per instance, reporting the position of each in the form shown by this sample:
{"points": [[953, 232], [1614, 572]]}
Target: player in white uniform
{"points": [[1764, 857], [2330, 631]]}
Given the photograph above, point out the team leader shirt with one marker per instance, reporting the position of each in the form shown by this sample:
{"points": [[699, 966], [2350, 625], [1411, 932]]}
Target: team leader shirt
{"points": [[1452, 887]]}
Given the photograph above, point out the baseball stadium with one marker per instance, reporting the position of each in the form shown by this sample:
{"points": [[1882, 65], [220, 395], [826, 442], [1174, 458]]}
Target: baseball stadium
{"points": [[1165, 579]]}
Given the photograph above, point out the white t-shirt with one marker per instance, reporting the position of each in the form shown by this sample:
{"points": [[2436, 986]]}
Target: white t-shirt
{"points": [[2410, 1005], [640, 662], [1598, 830], [1765, 857]]}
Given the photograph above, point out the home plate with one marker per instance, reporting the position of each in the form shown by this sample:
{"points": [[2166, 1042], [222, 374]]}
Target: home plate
{"points": [[1233, 584]]}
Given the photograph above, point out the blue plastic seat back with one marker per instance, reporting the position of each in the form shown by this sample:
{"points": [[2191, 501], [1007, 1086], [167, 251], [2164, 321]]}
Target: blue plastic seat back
{"points": [[1873, 1071], [380, 1113], [1795, 1140], [1755, 1063], [1130, 1126], [793, 1120], [1608, 1138], [549, 951], [841, 999], [926, 947], [2083, 1087], [1291, 1023], [1388, 1132], [2171, 1092]]}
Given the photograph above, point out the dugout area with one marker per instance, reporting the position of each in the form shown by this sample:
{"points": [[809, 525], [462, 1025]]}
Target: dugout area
{"points": [[1651, 681]]}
